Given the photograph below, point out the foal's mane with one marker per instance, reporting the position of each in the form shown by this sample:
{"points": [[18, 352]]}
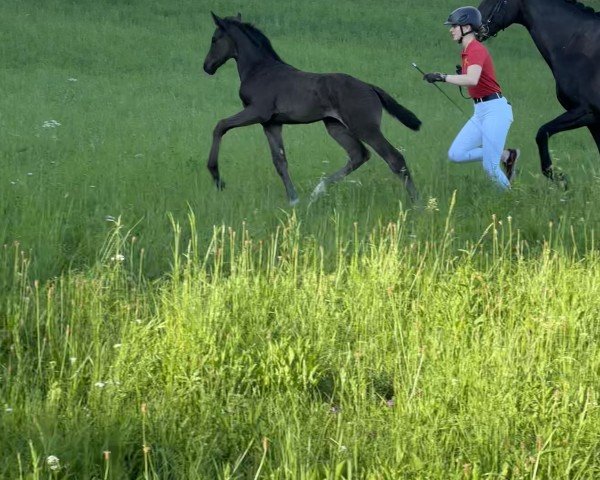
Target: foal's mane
{"points": [[583, 7], [255, 36]]}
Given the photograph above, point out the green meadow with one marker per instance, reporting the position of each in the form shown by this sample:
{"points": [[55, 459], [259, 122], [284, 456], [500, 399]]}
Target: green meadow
{"points": [[152, 327]]}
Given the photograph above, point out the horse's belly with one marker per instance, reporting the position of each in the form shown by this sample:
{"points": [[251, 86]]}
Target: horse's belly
{"points": [[300, 110], [299, 104], [295, 117]]}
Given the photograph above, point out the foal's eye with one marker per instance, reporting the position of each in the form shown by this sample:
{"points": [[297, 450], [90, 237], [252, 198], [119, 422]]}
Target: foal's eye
{"points": [[213, 40]]}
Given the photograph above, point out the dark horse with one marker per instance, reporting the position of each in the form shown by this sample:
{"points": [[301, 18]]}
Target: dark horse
{"points": [[274, 93], [567, 34]]}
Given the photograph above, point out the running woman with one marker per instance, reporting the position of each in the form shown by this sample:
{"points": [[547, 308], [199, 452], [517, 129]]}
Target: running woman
{"points": [[483, 137]]}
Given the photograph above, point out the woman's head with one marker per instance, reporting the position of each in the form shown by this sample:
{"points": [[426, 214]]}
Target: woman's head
{"points": [[464, 21]]}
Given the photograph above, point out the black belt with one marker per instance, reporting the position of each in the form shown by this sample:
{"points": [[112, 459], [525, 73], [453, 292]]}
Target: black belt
{"points": [[491, 96]]}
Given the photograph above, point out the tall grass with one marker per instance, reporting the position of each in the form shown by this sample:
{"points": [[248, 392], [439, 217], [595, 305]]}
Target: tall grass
{"points": [[400, 359]]}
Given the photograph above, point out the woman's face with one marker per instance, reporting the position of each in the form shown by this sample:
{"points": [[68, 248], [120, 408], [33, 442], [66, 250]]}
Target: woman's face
{"points": [[456, 33]]}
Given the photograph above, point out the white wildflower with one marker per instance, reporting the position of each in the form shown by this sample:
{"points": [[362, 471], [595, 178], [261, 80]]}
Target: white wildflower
{"points": [[51, 124], [8, 410], [71, 79], [110, 218], [53, 462], [432, 205], [117, 345], [72, 360], [100, 384], [117, 258], [29, 174]]}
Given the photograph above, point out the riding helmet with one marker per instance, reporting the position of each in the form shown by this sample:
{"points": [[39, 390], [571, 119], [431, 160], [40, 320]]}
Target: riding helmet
{"points": [[464, 16]]}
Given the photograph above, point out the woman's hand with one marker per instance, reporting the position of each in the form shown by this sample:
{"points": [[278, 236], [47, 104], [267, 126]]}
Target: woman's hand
{"points": [[435, 77]]}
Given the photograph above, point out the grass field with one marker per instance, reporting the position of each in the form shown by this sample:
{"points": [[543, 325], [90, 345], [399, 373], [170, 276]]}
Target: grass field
{"points": [[201, 334]]}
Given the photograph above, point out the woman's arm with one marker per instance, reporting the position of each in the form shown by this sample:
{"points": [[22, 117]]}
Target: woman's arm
{"points": [[470, 79]]}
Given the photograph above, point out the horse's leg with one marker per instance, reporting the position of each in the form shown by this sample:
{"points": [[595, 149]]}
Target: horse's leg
{"points": [[273, 133], [393, 157], [248, 116], [569, 120], [595, 131], [357, 153]]}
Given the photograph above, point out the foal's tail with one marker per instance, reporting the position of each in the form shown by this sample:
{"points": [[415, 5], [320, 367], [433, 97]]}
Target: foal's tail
{"points": [[407, 117]]}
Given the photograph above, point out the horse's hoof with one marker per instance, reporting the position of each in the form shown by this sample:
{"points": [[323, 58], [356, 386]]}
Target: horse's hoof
{"points": [[561, 180], [220, 184], [294, 202]]}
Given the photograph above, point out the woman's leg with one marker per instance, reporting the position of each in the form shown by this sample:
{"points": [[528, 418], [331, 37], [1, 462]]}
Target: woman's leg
{"points": [[496, 121], [466, 147]]}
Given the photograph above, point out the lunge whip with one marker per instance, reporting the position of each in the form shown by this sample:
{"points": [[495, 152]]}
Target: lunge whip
{"points": [[437, 86]]}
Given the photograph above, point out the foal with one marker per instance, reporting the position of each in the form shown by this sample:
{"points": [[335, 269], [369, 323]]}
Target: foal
{"points": [[274, 93]]}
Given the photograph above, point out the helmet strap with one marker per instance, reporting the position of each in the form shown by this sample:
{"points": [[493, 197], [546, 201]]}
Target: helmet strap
{"points": [[463, 34]]}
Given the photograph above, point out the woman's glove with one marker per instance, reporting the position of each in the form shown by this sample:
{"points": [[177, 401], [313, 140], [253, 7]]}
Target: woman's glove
{"points": [[435, 77]]}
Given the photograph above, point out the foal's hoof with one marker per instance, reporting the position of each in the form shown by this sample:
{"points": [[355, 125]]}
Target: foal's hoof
{"points": [[220, 184], [318, 191], [414, 196]]}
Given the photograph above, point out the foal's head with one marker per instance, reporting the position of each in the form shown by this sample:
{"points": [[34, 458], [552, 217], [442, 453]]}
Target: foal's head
{"points": [[498, 15], [222, 46]]}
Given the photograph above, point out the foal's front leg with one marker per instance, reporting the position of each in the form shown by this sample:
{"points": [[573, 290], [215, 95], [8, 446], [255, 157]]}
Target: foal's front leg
{"points": [[273, 133], [248, 116]]}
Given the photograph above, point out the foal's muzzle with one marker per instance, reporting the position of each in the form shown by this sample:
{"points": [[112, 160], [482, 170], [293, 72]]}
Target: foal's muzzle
{"points": [[210, 69]]}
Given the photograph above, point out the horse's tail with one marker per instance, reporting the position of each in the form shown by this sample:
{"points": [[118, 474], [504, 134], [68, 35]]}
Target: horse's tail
{"points": [[403, 114]]}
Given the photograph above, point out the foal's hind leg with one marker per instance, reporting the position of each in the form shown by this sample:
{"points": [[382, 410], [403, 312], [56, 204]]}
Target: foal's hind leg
{"points": [[357, 153], [393, 157], [273, 133]]}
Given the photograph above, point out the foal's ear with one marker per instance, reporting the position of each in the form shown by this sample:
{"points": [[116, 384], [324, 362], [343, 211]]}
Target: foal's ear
{"points": [[218, 21]]}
